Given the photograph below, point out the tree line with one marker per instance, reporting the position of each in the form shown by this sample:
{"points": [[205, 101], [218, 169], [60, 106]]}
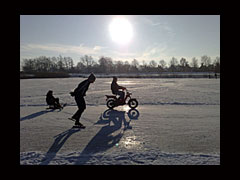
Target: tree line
{"points": [[107, 65]]}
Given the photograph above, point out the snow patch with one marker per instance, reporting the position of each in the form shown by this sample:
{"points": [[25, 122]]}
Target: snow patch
{"points": [[152, 157]]}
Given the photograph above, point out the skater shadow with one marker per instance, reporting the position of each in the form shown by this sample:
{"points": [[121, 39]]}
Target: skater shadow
{"points": [[31, 116], [108, 136], [57, 145]]}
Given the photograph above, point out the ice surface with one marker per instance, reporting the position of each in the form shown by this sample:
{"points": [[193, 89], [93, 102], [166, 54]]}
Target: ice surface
{"points": [[147, 91], [177, 122]]}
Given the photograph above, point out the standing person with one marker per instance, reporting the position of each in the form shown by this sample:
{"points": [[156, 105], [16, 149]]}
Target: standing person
{"points": [[115, 89], [79, 94]]}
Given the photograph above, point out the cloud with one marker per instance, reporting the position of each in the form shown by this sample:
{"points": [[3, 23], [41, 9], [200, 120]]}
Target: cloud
{"points": [[162, 27], [155, 52], [97, 48], [59, 48], [31, 50], [150, 22]]}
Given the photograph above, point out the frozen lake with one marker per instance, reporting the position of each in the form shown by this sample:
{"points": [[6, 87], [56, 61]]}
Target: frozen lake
{"points": [[147, 91], [177, 122]]}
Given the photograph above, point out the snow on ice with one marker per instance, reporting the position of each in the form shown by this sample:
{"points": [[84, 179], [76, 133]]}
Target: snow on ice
{"points": [[177, 122]]}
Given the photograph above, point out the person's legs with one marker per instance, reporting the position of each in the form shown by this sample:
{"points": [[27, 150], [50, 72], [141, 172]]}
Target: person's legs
{"points": [[51, 103], [57, 104], [121, 94], [81, 107]]}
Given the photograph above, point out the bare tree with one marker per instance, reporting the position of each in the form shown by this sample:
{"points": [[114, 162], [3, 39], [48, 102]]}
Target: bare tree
{"points": [[105, 64], [173, 62], [183, 62], [216, 64], [135, 63], [80, 67], [119, 66], [126, 66], [87, 61], [152, 64], [28, 65], [194, 62], [216, 60], [162, 63], [205, 60]]}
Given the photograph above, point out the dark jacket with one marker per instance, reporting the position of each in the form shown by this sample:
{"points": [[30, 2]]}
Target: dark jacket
{"points": [[115, 87], [82, 88], [50, 99]]}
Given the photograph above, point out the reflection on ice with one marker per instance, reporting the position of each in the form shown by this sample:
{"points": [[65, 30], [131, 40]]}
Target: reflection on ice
{"points": [[131, 142], [128, 82], [117, 120], [125, 108], [122, 82]]}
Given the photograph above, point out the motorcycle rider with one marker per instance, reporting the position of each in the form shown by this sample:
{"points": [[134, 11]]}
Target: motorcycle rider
{"points": [[115, 90]]}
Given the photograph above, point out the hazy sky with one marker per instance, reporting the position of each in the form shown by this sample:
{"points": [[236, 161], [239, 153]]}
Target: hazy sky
{"points": [[154, 37]]}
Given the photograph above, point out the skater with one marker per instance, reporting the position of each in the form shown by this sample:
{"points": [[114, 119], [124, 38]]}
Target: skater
{"points": [[115, 89], [52, 101], [79, 94]]}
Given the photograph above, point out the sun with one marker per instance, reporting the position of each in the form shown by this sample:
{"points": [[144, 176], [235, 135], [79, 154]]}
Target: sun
{"points": [[121, 30]]}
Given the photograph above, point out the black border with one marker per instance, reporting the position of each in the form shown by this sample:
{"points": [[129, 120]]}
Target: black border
{"points": [[157, 8]]}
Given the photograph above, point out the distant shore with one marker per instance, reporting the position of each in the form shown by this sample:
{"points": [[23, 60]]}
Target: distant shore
{"points": [[123, 75]]}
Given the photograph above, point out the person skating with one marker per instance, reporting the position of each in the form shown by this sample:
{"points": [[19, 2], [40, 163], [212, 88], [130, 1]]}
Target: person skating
{"points": [[79, 94]]}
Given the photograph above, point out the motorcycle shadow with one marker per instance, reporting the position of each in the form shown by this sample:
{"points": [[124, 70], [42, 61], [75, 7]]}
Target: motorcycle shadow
{"points": [[113, 125], [109, 114]]}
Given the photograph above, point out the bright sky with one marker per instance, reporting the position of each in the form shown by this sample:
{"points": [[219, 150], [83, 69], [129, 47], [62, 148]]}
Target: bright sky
{"points": [[128, 37]]}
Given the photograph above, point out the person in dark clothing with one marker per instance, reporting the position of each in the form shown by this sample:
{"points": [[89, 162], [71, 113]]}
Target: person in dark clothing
{"points": [[79, 94], [52, 101], [115, 89]]}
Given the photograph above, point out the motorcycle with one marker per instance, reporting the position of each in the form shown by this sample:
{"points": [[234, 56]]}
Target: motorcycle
{"points": [[114, 101]]}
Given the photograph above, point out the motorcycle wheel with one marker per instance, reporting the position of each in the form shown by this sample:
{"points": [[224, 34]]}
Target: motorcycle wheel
{"points": [[133, 103], [111, 104]]}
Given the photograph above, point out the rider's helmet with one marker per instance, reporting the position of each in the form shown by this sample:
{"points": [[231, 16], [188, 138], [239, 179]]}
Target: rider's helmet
{"points": [[115, 78], [50, 92]]}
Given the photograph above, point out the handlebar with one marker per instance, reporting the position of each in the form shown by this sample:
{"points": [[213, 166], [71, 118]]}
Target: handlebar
{"points": [[127, 91]]}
